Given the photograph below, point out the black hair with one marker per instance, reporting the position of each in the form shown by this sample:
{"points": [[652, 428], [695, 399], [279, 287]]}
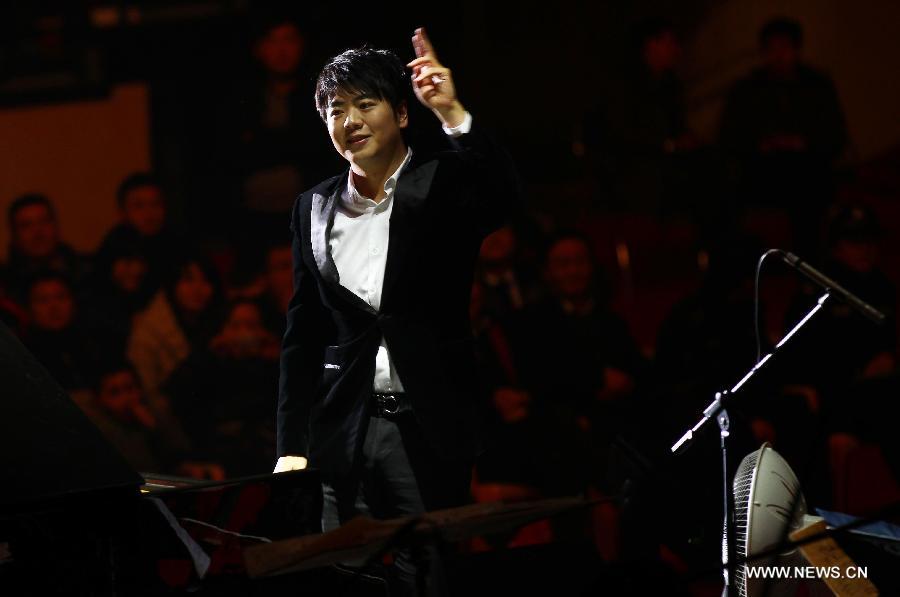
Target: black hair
{"points": [[378, 73], [124, 242], [650, 28], [264, 22], [781, 27], [203, 328], [28, 200], [109, 367], [569, 234], [180, 267], [133, 181]]}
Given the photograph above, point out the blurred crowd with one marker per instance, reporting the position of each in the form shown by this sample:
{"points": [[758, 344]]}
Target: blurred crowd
{"points": [[171, 345]]}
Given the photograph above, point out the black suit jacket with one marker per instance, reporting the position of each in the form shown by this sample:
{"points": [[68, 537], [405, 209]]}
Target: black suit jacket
{"points": [[445, 204]]}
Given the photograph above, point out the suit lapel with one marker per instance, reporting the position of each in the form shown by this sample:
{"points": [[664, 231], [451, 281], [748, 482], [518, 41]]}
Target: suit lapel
{"points": [[321, 220], [412, 190]]}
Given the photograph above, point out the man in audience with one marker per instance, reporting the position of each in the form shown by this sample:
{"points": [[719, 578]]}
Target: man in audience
{"points": [[784, 128], [143, 210], [845, 364], [266, 125], [56, 339], [150, 441], [585, 356], [568, 357], [506, 286], [638, 139], [36, 245]]}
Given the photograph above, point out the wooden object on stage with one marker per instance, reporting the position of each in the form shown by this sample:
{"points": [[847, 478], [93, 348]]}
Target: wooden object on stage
{"points": [[826, 553], [363, 537]]}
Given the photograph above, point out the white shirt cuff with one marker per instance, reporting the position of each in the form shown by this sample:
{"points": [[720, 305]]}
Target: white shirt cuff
{"points": [[462, 129]]}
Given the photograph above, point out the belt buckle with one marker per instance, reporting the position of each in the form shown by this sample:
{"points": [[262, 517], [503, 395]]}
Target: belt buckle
{"points": [[390, 404]]}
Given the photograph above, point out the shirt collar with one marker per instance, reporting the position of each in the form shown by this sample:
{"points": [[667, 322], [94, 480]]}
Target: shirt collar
{"points": [[354, 199]]}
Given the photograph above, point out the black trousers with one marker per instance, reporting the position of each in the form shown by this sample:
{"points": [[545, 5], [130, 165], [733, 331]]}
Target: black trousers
{"points": [[397, 474]]}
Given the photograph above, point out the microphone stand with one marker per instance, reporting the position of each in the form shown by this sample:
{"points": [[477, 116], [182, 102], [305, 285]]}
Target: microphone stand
{"points": [[717, 410]]}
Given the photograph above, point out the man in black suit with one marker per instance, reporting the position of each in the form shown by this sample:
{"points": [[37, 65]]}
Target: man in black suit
{"points": [[378, 382]]}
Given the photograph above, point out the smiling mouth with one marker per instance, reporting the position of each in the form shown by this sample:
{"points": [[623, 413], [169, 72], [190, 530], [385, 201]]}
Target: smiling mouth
{"points": [[357, 141]]}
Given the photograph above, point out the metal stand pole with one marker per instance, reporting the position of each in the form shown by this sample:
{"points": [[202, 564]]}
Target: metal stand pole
{"points": [[716, 409], [728, 540]]}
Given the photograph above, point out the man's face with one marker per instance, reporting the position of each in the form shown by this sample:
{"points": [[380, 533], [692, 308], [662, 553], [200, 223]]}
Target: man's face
{"points": [[280, 50], [144, 208], [661, 53], [119, 393], [244, 321], [51, 306], [244, 331], [781, 55], [569, 268], [364, 129], [128, 273], [34, 232]]}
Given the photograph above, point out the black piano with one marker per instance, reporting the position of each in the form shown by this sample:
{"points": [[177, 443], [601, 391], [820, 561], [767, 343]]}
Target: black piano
{"points": [[77, 519]]}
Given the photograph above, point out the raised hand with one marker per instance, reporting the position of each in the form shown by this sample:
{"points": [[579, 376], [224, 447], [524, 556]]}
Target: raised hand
{"points": [[433, 82]]}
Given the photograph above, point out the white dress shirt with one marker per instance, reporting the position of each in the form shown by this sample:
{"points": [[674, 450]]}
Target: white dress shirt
{"points": [[359, 244]]}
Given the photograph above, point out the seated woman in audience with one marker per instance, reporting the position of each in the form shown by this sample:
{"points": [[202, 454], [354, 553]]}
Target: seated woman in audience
{"points": [[180, 318], [120, 290]]}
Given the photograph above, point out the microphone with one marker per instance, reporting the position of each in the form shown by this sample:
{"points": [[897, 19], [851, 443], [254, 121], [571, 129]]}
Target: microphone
{"points": [[864, 308]]}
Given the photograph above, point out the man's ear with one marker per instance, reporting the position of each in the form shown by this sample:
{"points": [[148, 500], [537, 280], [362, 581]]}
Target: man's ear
{"points": [[402, 113]]}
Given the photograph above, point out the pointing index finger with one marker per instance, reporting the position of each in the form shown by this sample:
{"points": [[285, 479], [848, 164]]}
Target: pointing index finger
{"points": [[422, 44]]}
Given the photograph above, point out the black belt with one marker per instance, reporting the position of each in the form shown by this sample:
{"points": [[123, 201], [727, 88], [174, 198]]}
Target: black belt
{"points": [[389, 405]]}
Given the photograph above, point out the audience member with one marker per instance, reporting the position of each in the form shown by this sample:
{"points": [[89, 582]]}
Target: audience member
{"points": [[270, 149], [36, 246], [642, 151], [180, 318], [583, 353], [223, 393], [568, 362], [847, 346], [143, 225], [507, 285], [55, 337], [846, 364], [784, 127], [121, 288], [150, 441]]}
